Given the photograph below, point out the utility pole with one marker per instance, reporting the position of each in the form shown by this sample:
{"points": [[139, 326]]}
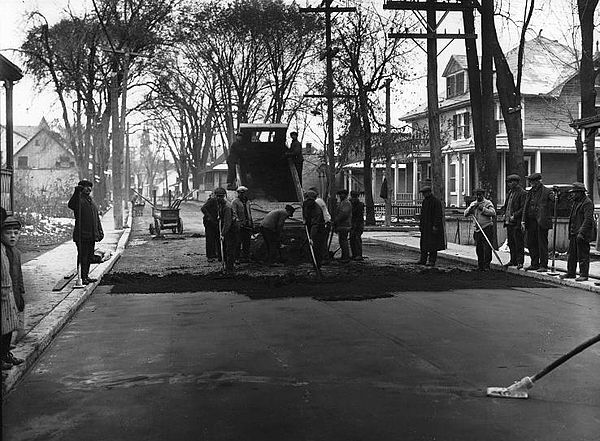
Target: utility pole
{"points": [[117, 155], [127, 165], [388, 154], [432, 25], [329, 95]]}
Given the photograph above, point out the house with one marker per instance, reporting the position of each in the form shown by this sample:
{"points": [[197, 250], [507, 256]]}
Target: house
{"points": [[43, 165], [550, 102]]}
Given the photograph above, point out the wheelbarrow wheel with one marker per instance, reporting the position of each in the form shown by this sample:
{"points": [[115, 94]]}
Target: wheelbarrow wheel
{"points": [[179, 226]]}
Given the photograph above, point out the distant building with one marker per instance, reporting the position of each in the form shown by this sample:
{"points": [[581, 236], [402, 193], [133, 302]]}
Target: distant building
{"points": [[43, 164]]}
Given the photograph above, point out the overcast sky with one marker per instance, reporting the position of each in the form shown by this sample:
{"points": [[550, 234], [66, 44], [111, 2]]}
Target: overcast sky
{"points": [[553, 18]]}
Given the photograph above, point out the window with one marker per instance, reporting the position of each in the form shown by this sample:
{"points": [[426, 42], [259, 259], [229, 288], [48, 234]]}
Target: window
{"points": [[499, 121], [462, 125], [22, 162], [63, 162], [455, 85], [452, 178]]}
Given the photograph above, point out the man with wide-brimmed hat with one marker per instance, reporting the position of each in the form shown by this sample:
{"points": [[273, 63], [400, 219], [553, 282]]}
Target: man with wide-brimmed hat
{"points": [[581, 233], [536, 221], [431, 226], [233, 158], [88, 229], [295, 154], [513, 214], [483, 211], [241, 207]]}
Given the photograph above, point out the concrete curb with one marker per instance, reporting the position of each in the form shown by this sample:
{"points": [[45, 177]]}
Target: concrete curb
{"points": [[448, 255], [38, 338]]}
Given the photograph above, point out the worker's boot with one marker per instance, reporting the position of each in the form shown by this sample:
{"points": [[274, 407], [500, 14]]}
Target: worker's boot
{"points": [[584, 270]]}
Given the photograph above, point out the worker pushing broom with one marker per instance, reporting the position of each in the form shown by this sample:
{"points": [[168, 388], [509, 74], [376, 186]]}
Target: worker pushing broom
{"points": [[482, 211]]}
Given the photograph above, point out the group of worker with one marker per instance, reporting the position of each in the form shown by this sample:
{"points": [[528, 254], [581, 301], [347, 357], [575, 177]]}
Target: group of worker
{"points": [[528, 218], [229, 227]]}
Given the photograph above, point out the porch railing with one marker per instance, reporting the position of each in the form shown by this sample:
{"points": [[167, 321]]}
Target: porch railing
{"points": [[6, 178]]}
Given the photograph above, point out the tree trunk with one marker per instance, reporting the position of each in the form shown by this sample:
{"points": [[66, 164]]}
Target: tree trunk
{"points": [[586, 10], [510, 103], [368, 159], [117, 158], [489, 167], [433, 113], [474, 86]]}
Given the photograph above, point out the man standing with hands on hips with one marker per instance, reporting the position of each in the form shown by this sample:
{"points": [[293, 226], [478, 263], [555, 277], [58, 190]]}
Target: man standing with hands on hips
{"points": [[88, 229], [537, 220]]}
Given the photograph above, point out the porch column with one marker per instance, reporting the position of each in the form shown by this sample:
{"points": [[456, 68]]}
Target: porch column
{"points": [[459, 180], [349, 179], [538, 161], [586, 181], [374, 181], [467, 158], [415, 179], [503, 176], [395, 179], [9, 142], [446, 178]]}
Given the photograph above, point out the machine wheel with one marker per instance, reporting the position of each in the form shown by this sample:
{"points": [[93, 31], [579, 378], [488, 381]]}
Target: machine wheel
{"points": [[157, 227], [151, 228], [179, 226]]}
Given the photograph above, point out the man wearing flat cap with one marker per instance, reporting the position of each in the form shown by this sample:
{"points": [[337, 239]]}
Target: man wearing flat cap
{"points": [[271, 229], [483, 210], [536, 221], [431, 226], [581, 233], [241, 207], [88, 229], [295, 154], [513, 214]]}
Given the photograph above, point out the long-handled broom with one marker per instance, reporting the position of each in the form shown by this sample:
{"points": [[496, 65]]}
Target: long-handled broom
{"points": [[312, 252], [519, 388], [488, 241], [553, 270]]}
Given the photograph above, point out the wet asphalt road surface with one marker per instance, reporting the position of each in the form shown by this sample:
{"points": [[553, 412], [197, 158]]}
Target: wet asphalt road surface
{"points": [[224, 364]]}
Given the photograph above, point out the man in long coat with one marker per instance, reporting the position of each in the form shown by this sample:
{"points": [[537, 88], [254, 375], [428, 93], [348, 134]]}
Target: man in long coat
{"points": [[537, 220], [431, 226], [513, 214], [241, 207], [88, 229], [581, 233]]}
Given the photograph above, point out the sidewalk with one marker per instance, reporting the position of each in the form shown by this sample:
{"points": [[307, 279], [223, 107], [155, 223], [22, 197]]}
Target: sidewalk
{"points": [[466, 253], [47, 311]]}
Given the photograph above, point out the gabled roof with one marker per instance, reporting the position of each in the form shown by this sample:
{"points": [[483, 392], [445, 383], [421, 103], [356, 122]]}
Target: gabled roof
{"points": [[456, 63], [547, 64]]}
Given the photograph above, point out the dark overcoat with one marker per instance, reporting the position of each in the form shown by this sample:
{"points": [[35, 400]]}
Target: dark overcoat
{"points": [[432, 215], [517, 204], [88, 227], [581, 220], [543, 206]]}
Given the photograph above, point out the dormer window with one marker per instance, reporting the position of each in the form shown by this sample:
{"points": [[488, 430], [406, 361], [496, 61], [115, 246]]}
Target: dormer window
{"points": [[455, 84]]}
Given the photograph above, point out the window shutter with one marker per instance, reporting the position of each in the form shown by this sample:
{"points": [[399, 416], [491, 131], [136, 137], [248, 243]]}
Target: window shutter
{"points": [[467, 125], [455, 125]]}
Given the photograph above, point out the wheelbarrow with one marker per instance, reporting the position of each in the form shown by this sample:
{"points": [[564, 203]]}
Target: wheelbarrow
{"points": [[166, 218]]}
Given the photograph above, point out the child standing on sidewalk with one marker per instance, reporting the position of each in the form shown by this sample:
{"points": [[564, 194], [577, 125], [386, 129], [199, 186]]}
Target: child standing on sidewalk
{"points": [[10, 312]]}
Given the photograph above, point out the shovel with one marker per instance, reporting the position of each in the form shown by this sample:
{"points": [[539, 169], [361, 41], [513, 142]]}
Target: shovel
{"points": [[519, 388], [312, 251], [221, 242], [553, 272], [488, 241]]}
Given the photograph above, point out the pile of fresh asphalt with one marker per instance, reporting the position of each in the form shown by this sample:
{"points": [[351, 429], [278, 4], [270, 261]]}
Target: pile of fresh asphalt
{"points": [[353, 281]]}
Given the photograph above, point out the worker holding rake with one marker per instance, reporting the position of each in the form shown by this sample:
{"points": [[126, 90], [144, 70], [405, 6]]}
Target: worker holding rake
{"points": [[483, 212]]}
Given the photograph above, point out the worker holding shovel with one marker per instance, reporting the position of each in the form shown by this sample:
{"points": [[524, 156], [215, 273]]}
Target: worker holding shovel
{"points": [[227, 230], [483, 213], [315, 228]]}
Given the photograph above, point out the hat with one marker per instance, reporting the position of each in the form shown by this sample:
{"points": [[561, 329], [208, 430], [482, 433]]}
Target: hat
{"points": [[242, 188], [288, 207], [354, 194], [534, 176], [425, 189], [342, 191], [11, 222], [479, 190], [85, 183], [510, 178], [577, 186], [293, 133], [220, 191], [311, 194]]}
